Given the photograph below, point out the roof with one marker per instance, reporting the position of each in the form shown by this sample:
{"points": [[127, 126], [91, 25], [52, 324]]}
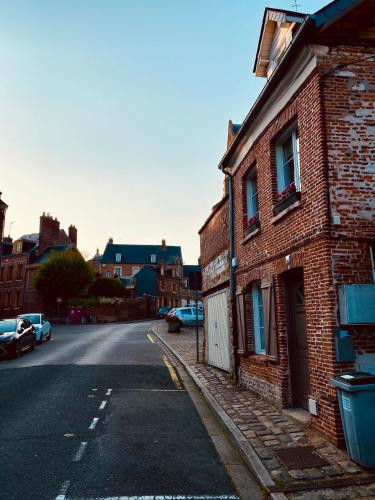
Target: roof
{"points": [[309, 28], [30, 237], [141, 254], [42, 257], [215, 208]]}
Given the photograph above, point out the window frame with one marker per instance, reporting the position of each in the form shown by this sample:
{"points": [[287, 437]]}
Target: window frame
{"points": [[256, 293], [118, 257], [252, 200], [116, 273], [281, 184]]}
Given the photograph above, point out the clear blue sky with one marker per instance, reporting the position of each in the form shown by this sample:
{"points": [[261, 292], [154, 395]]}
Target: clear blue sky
{"points": [[114, 112]]}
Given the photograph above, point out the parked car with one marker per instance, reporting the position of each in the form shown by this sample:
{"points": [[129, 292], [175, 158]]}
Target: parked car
{"points": [[43, 328], [162, 311], [16, 335], [187, 315]]}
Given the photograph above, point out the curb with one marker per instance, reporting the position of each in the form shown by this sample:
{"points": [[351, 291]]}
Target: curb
{"points": [[245, 449]]}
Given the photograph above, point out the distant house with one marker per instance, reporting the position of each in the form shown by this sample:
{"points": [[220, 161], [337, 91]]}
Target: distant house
{"points": [[190, 271], [21, 259], [145, 269]]}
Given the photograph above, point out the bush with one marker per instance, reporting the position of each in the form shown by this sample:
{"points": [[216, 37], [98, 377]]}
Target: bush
{"points": [[107, 287]]}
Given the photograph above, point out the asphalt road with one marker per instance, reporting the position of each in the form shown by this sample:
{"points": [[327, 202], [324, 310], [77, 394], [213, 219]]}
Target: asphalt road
{"points": [[94, 414]]}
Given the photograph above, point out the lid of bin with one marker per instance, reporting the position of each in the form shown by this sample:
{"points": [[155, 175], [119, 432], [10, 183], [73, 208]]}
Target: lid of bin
{"points": [[356, 378]]}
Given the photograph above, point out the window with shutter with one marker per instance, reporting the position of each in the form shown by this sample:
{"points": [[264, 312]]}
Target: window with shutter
{"points": [[258, 318], [270, 333], [241, 327]]}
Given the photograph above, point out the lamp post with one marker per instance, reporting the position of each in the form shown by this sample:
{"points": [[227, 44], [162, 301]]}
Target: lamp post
{"points": [[58, 300]]}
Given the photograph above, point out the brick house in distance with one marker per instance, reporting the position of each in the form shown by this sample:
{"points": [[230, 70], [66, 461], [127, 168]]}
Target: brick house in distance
{"points": [[20, 260], [126, 261], [301, 169]]}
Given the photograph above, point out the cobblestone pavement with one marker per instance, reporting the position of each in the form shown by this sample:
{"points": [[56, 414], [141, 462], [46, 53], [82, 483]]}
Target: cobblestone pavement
{"points": [[268, 429]]}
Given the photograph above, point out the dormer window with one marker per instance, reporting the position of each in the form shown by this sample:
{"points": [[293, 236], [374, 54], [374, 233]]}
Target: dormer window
{"points": [[153, 258], [118, 257]]}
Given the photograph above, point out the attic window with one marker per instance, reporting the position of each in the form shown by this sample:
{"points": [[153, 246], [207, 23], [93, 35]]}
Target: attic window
{"points": [[153, 258], [118, 257]]}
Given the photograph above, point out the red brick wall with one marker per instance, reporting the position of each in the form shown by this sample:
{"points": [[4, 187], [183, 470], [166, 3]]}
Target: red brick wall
{"points": [[214, 244], [341, 107]]}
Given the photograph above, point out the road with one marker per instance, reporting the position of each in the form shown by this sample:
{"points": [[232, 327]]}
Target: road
{"points": [[95, 413]]}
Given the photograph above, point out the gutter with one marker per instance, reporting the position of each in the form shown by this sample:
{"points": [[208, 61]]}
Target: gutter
{"points": [[232, 279]]}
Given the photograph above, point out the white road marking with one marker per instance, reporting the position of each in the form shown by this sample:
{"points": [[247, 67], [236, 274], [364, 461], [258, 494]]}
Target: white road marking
{"points": [[163, 497], [102, 406], [93, 423], [150, 339], [80, 452], [94, 389], [64, 488], [152, 390], [108, 393]]}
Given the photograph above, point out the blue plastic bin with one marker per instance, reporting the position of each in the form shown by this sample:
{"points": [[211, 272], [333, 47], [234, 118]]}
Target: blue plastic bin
{"points": [[356, 393]]}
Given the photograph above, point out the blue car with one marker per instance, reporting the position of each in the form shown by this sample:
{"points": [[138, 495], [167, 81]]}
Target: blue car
{"points": [[43, 329], [188, 316]]}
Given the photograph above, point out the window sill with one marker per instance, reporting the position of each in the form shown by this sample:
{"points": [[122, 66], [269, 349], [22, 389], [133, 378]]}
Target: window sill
{"points": [[251, 235], [285, 212]]}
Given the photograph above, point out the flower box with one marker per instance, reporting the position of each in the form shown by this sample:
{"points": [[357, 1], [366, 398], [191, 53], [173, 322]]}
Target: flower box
{"points": [[253, 225], [174, 324], [286, 200]]}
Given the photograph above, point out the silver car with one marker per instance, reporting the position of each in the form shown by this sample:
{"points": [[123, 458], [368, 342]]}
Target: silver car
{"points": [[43, 329]]}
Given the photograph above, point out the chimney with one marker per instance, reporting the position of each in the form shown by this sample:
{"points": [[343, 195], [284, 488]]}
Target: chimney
{"points": [[3, 209], [72, 233], [49, 231], [163, 244], [110, 241]]}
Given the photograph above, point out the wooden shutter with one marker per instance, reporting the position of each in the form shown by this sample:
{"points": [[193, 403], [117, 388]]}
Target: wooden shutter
{"points": [[270, 333], [241, 327]]}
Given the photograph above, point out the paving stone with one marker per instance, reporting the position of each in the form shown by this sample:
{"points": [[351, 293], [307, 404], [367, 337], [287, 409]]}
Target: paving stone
{"points": [[284, 438], [314, 473], [349, 467], [264, 452], [298, 474], [331, 470], [271, 464], [308, 496], [249, 434], [279, 475], [274, 442]]}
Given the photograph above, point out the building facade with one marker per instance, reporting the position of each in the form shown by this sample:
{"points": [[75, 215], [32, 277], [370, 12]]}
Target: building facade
{"points": [[126, 261], [22, 258], [302, 172]]}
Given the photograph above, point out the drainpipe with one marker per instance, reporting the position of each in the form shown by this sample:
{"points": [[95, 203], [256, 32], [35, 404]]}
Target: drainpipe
{"points": [[232, 275]]}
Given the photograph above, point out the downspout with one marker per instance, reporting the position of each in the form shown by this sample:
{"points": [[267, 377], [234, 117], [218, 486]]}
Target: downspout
{"points": [[232, 277]]}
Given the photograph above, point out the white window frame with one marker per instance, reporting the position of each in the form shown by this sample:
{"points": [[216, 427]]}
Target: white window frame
{"points": [[108, 274], [282, 184], [252, 203], [116, 273], [118, 257], [135, 270], [258, 331], [153, 258]]}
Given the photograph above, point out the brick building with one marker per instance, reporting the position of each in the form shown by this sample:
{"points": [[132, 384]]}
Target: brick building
{"points": [[214, 259], [190, 273], [301, 169], [125, 261], [20, 260]]}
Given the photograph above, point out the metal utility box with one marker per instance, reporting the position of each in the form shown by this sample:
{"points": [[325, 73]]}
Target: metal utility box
{"points": [[356, 393], [357, 304]]}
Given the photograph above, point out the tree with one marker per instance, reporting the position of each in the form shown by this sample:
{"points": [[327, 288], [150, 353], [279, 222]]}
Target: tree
{"points": [[64, 275], [107, 287]]}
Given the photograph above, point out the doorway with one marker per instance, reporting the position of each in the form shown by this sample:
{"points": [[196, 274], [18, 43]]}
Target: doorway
{"points": [[297, 339]]}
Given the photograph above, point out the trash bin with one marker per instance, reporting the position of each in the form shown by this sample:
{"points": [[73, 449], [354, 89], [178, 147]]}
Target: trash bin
{"points": [[356, 393]]}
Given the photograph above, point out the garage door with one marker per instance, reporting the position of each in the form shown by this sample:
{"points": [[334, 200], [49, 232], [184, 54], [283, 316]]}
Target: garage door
{"points": [[217, 330]]}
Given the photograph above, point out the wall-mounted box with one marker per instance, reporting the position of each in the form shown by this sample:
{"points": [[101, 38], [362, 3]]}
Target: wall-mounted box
{"points": [[357, 304], [344, 346]]}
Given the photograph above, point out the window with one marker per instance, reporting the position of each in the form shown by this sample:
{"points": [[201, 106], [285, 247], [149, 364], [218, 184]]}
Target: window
{"points": [[17, 299], [118, 271], [118, 257], [19, 272], [135, 270], [162, 286], [7, 299], [108, 274], [153, 258], [287, 160], [174, 287], [258, 318], [10, 273], [18, 247], [252, 209], [2, 273]]}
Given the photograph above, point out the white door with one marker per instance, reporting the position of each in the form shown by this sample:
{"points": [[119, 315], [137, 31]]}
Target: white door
{"points": [[218, 330]]}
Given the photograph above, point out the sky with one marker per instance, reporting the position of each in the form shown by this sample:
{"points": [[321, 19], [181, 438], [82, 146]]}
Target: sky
{"points": [[114, 113]]}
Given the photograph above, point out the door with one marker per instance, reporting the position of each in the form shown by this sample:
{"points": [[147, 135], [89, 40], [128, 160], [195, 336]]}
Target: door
{"points": [[297, 340], [218, 330]]}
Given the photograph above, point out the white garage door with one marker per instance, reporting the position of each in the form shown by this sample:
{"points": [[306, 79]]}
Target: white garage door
{"points": [[217, 330]]}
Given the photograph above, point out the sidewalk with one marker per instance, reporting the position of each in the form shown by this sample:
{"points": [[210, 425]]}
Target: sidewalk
{"points": [[259, 430]]}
